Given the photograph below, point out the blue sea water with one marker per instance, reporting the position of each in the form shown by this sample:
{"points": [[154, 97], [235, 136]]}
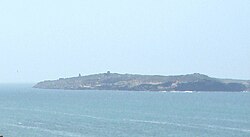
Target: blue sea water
{"points": [[28, 112]]}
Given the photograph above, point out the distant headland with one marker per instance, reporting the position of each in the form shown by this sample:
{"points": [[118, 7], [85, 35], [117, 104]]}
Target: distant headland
{"points": [[132, 82]]}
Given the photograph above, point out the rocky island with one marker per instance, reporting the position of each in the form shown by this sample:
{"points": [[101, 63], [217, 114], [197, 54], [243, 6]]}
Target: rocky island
{"points": [[132, 82]]}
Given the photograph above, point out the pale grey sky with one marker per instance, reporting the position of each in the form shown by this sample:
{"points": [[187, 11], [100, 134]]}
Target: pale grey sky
{"points": [[48, 39]]}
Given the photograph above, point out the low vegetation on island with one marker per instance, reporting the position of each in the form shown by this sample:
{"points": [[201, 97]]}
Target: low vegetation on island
{"points": [[131, 82]]}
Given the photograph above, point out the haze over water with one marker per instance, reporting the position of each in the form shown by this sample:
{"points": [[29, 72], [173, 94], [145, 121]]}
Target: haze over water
{"points": [[28, 112]]}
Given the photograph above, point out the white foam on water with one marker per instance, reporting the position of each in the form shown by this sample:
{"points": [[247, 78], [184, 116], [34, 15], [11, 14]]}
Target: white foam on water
{"points": [[219, 119], [161, 123], [54, 132], [175, 91], [199, 126], [225, 128], [107, 119], [86, 116], [188, 91], [60, 113], [183, 92]]}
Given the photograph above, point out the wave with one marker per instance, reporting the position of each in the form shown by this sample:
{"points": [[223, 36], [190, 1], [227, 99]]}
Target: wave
{"points": [[108, 119], [199, 126], [196, 126], [225, 128], [86, 116], [59, 113], [219, 119], [183, 91], [54, 132], [159, 122]]}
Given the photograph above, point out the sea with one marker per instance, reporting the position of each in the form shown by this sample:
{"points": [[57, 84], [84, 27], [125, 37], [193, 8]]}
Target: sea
{"points": [[29, 112]]}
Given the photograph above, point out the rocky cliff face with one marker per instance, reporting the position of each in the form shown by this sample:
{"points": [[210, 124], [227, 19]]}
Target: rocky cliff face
{"points": [[115, 81]]}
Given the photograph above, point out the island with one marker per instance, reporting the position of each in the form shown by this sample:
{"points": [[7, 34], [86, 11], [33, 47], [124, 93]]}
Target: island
{"points": [[135, 82]]}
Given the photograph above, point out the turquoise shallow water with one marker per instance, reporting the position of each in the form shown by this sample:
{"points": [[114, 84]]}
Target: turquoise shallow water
{"points": [[27, 112]]}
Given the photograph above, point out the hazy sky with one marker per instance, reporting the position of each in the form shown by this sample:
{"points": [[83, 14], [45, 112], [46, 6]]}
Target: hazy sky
{"points": [[48, 39]]}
